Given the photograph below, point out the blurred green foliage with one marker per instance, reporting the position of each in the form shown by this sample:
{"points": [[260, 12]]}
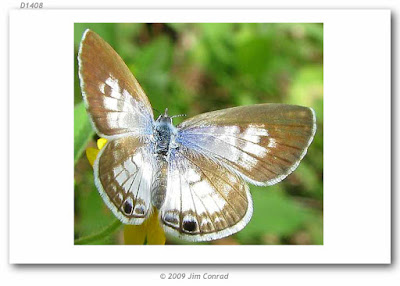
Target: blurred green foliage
{"points": [[196, 68]]}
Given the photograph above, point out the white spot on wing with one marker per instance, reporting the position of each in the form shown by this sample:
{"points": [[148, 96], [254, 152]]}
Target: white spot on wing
{"points": [[129, 104], [192, 176], [252, 137], [231, 129], [255, 149], [101, 88], [115, 88], [271, 143], [213, 201], [110, 103], [247, 161], [122, 177], [137, 158], [254, 130], [114, 120], [205, 221], [130, 166]]}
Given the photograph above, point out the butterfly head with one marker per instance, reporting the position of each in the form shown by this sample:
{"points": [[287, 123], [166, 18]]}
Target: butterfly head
{"points": [[164, 118]]}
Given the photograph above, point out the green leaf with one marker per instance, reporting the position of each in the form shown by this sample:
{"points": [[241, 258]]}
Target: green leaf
{"points": [[254, 56], [152, 69], [100, 235], [307, 87], [91, 213], [275, 214], [83, 130]]}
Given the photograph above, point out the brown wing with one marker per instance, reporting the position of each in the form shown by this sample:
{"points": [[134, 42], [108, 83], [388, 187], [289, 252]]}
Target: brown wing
{"points": [[262, 143], [123, 173], [114, 99], [204, 200]]}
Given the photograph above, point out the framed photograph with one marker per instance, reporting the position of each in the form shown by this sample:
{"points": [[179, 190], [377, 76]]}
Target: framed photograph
{"points": [[265, 80], [200, 136]]}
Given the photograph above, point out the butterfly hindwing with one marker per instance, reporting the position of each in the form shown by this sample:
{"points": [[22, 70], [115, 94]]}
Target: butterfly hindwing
{"points": [[204, 199], [115, 102], [262, 143], [123, 173]]}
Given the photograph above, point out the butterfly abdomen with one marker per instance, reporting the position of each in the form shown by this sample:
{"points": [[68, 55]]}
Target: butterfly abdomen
{"points": [[159, 185]]}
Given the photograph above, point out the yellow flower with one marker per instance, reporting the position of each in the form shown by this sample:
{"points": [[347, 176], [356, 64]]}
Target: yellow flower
{"points": [[150, 231], [91, 153]]}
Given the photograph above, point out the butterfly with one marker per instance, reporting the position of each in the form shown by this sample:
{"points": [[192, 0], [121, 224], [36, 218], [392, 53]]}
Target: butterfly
{"points": [[196, 173]]}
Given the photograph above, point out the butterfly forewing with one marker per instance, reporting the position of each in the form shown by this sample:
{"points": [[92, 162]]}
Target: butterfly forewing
{"points": [[262, 143], [204, 200], [123, 174], [114, 99]]}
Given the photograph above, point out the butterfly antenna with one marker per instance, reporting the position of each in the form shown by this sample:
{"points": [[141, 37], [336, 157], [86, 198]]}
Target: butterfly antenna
{"points": [[178, 115], [157, 111]]}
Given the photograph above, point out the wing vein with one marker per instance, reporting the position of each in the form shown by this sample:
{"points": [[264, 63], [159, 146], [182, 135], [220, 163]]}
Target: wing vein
{"points": [[194, 205], [219, 156], [216, 189], [211, 171]]}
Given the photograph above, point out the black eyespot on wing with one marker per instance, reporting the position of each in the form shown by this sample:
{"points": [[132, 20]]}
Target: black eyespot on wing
{"points": [[127, 207], [189, 225]]}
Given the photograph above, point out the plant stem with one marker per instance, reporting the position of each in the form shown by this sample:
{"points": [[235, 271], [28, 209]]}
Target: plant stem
{"points": [[107, 231]]}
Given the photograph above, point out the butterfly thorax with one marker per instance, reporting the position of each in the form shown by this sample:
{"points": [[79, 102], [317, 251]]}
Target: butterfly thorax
{"points": [[164, 134]]}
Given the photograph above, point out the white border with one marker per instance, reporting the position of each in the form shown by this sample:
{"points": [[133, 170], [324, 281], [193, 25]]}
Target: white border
{"points": [[356, 143]]}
